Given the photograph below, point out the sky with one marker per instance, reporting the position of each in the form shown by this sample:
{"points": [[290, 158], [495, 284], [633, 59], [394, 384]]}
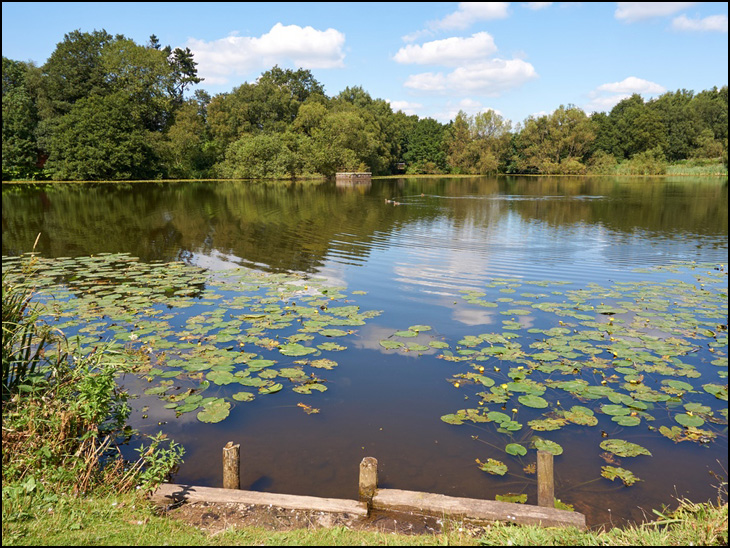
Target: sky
{"points": [[431, 59]]}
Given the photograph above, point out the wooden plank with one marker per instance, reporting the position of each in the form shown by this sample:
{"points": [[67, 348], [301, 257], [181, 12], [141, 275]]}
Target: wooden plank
{"points": [[475, 509], [168, 493]]}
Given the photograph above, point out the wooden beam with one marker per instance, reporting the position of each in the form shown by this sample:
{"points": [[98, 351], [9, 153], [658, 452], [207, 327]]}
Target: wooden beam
{"points": [[169, 493], [475, 509]]}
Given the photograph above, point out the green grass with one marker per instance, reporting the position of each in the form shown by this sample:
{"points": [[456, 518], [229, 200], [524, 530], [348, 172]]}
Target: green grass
{"points": [[129, 520]]}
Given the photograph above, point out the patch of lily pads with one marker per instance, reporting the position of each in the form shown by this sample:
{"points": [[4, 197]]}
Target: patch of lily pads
{"points": [[185, 329], [648, 357]]}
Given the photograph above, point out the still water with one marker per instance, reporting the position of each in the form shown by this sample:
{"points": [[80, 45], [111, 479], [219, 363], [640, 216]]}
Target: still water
{"points": [[414, 247]]}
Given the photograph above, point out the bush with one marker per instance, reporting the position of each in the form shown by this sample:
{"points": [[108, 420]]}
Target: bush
{"points": [[64, 417]]}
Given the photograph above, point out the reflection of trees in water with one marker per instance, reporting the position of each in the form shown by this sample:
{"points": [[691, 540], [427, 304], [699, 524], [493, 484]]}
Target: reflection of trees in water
{"points": [[295, 225]]}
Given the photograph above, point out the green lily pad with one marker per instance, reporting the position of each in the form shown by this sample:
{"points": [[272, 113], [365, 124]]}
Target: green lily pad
{"points": [[296, 349], [624, 448], [493, 466], [243, 396], [626, 476], [214, 411], [515, 449], [687, 419], [391, 345], [549, 446], [533, 401], [512, 497]]}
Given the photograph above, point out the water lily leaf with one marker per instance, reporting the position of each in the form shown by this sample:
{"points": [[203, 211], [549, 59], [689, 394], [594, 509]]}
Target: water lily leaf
{"points": [[720, 392], [214, 411], [624, 448], [323, 363], [406, 333], [512, 497], [498, 417], [545, 425], [391, 345], [549, 446], [612, 472], [418, 328], [243, 396], [452, 419], [533, 401], [308, 387], [296, 349], [493, 466], [515, 449], [271, 389], [333, 332], [331, 346], [438, 344], [221, 377], [615, 410], [687, 419], [626, 420]]}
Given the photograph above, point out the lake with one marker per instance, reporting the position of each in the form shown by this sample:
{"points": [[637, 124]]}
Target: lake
{"points": [[432, 323]]}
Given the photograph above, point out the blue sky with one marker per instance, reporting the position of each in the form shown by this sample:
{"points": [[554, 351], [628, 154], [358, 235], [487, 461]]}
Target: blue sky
{"points": [[431, 59]]}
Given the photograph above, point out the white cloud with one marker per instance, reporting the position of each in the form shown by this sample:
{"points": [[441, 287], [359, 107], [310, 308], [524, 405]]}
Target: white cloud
{"points": [[637, 11], [489, 78], [303, 47], [607, 96], [716, 23], [632, 85], [450, 51], [604, 104], [471, 12], [467, 105], [406, 106]]}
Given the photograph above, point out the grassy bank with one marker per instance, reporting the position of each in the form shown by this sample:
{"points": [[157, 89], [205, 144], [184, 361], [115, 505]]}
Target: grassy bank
{"points": [[128, 520]]}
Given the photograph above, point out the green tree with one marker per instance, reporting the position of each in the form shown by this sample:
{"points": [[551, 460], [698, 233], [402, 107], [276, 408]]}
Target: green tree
{"points": [[424, 150], [20, 119], [99, 140], [556, 143]]}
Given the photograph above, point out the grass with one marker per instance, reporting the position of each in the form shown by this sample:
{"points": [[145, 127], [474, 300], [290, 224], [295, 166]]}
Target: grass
{"points": [[128, 519]]}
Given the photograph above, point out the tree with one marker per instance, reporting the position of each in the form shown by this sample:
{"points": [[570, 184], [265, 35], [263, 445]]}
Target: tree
{"points": [[478, 144], [556, 143], [99, 140], [424, 147], [20, 119]]}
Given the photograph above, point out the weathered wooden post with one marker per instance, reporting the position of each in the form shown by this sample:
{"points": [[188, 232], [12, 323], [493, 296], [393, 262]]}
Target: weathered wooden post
{"points": [[368, 479], [232, 466], [545, 480]]}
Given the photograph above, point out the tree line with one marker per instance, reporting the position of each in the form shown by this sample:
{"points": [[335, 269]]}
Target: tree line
{"points": [[105, 108]]}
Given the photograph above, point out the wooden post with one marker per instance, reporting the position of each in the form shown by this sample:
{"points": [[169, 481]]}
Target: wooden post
{"points": [[545, 480], [368, 479], [231, 466]]}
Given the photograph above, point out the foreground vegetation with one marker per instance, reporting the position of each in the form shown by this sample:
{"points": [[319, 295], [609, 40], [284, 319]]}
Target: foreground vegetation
{"points": [[105, 108], [113, 519]]}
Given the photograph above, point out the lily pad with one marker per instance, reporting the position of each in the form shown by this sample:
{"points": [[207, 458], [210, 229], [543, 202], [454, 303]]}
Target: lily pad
{"points": [[516, 449], [533, 401], [626, 476], [214, 411], [493, 466], [549, 446], [624, 448]]}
